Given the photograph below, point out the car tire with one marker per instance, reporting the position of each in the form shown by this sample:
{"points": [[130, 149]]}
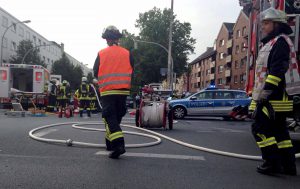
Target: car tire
{"points": [[179, 112]]}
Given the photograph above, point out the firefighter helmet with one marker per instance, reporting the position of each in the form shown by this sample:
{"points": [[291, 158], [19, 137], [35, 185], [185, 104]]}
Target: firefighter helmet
{"points": [[95, 81], [112, 33], [84, 79], [274, 15]]}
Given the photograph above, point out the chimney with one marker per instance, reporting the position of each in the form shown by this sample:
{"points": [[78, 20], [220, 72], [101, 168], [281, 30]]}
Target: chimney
{"points": [[62, 47]]}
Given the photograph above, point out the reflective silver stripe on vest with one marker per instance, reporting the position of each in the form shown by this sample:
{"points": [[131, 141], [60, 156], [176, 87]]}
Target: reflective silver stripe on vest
{"points": [[114, 82], [114, 75]]}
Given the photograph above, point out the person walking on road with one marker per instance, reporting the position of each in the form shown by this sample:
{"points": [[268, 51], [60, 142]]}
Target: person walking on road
{"points": [[84, 93], [271, 103], [64, 96], [52, 96], [113, 68]]}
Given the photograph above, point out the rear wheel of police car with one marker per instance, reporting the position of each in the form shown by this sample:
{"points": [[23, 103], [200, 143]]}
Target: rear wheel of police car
{"points": [[179, 112]]}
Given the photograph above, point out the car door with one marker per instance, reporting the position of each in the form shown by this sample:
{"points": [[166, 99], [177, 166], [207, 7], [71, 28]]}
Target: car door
{"points": [[223, 102], [241, 98], [201, 103]]}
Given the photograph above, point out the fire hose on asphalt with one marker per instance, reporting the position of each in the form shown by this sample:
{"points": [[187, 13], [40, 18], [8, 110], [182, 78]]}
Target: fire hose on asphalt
{"points": [[151, 134]]}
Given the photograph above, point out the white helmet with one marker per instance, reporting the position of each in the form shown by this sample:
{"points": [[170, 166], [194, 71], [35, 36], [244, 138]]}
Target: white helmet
{"points": [[95, 81], [84, 79], [274, 15]]}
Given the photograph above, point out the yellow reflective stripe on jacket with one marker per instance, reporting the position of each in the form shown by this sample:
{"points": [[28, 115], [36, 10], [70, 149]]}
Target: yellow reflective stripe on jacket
{"points": [[278, 106], [115, 92], [267, 142], [273, 80], [116, 135], [115, 83], [265, 110], [285, 144]]}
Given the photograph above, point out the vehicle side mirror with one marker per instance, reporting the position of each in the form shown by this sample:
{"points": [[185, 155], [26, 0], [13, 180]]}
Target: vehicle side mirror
{"points": [[193, 98]]}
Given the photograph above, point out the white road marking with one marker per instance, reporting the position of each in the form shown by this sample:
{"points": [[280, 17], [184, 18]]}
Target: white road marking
{"points": [[160, 156], [46, 132]]}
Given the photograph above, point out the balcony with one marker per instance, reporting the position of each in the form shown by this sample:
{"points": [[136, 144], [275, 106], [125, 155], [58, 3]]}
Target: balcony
{"points": [[228, 58], [212, 64], [212, 76], [198, 79], [229, 44], [199, 69], [227, 73]]}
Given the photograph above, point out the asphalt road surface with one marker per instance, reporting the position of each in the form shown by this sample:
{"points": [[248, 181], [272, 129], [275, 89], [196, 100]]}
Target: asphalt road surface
{"points": [[27, 163]]}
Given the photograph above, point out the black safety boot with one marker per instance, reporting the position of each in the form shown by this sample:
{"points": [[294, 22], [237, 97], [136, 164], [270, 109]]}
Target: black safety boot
{"points": [[89, 113], [80, 113], [108, 145], [117, 152], [269, 168], [290, 170]]}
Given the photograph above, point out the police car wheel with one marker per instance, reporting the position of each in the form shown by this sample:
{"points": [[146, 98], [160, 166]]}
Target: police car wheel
{"points": [[179, 112]]}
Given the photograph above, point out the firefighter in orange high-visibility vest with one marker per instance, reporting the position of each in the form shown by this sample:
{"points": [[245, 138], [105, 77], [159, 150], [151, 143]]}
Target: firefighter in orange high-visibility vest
{"points": [[113, 68]]}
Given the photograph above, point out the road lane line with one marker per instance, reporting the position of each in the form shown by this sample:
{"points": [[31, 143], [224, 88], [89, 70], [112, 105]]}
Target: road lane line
{"points": [[46, 132], [160, 156]]}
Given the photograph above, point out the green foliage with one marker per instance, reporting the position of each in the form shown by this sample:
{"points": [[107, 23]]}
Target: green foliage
{"points": [[68, 71], [154, 27], [33, 57]]}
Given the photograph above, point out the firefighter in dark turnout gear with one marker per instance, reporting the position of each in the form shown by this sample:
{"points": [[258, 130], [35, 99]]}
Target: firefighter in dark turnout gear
{"points": [[84, 93], [63, 97], [270, 101], [94, 94], [52, 96], [113, 67]]}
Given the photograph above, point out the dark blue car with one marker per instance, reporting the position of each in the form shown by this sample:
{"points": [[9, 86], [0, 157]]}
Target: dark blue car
{"points": [[210, 102]]}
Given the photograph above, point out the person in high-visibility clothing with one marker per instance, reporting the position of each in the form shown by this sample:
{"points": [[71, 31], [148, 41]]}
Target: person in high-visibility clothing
{"points": [[63, 97], [113, 68], [52, 92], [270, 100], [84, 93], [94, 94]]}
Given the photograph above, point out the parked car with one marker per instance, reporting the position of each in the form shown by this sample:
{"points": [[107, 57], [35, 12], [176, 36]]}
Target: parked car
{"points": [[209, 102]]}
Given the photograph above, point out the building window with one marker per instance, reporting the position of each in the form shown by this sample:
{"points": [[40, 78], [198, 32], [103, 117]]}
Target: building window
{"points": [[27, 35], [221, 56], [40, 42], [14, 27], [244, 31], [4, 22], [13, 46], [242, 77], [222, 43], [220, 81], [243, 62], [21, 32], [220, 69], [238, 33], [235, 79], [236, 64], [4, 42], [243, 47], [34, 39], [237, 49], [198, 85]]}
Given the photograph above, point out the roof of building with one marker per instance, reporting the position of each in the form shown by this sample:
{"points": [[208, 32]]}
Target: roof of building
{"points": [[208, 53], [229, 26]]}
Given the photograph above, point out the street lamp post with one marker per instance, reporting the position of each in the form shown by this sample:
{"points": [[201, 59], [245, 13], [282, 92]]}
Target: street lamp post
{"points": [[22, 62], [170, 83], [170, 62], [26, 21]]}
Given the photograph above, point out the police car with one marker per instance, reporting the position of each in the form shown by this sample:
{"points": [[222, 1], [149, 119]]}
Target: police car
{"points": [[209, 102]]}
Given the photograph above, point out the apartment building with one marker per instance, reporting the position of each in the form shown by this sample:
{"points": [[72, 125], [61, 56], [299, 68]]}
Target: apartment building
{"points": [[20, 31], [224, 45], [202, 70], [239, 53]]}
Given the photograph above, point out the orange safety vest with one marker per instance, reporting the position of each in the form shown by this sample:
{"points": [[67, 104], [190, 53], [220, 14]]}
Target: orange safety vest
{"points": [[114, 70]]}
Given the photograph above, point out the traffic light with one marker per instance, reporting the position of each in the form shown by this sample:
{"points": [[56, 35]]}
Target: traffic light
{"points": [[292, 6]]}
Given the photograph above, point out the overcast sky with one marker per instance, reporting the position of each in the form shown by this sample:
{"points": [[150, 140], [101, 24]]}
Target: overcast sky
{"points": [[79, 24]]}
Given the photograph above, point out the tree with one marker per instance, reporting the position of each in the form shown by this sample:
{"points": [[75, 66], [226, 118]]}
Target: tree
{"points": [[68, 71], [33, 57], [154, 26]]}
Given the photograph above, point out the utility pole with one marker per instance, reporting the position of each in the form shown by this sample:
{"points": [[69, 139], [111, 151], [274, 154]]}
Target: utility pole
{"points": [[170, 62]]}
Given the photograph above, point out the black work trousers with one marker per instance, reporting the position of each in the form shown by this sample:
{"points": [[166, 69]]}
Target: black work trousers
{"points": [[51, 103], [273, 139], [84, 104], [113, 110]]}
